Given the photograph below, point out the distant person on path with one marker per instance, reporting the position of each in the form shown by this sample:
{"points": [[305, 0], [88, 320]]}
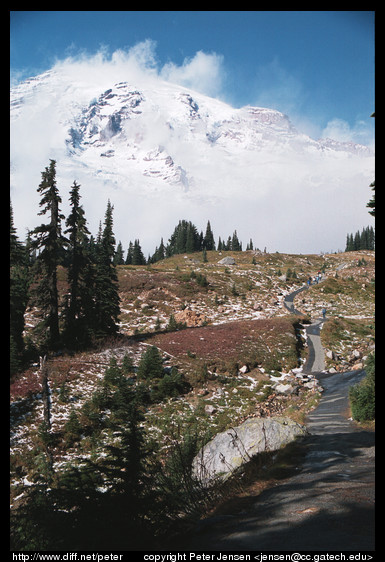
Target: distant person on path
{"points": [[309, 282], [324, 313]]}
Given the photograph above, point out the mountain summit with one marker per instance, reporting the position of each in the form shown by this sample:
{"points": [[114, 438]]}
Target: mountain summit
{"points": [[161, 152]]}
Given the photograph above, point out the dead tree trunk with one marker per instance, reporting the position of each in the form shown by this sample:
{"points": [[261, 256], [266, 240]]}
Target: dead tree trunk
{"points": [[45, 392]]}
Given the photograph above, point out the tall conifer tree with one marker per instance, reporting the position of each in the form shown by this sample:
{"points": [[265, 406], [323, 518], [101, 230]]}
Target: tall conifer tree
{"points": [[19, 283], [106, 289], [208, 241], [78, 310], [48, 240]]}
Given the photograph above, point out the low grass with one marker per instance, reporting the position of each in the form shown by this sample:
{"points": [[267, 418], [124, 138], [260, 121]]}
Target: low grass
{"points": [[337, 331], [224, 348]]}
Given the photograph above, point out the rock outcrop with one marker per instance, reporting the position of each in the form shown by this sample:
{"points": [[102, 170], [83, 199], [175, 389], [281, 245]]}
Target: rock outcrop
{"points": [[238, 445], [191, 318]]}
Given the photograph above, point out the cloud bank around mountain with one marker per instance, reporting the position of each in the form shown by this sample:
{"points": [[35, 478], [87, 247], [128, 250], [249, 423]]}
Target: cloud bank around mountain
{"points": [[291, 206]]}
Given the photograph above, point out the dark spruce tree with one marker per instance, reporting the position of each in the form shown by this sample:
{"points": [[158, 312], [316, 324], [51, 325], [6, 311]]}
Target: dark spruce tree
{"points": [[208, 241], [78, 309], [130, 253], [236, 245], [19, 283], [48, 242], [119, 259], [185, 238], [364, 240], [372, 203], [137, 254], [106, 280]]}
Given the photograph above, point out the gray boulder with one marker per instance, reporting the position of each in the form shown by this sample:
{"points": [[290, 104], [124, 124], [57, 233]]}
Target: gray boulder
{"points": [[238, 445], [227, 261]]}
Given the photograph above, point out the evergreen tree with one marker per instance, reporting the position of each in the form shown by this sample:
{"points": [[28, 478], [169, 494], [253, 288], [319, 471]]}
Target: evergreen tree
{"points": [[106, 280], [236, 246], [130, 253], [137, 254], [118, 259], [208, 241], [185, 238], [49, 241], [79, 301], [371, 237], [151, 364], [19, 284], [372, 204], [190, 242], [159, 254], [161, 251], [363, 240]]}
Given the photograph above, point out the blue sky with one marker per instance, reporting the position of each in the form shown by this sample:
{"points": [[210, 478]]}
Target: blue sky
{"points": [[316, 66]]}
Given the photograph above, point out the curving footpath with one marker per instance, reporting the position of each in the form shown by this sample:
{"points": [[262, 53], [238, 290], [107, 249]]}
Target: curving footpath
{"points": [[328, 505]]}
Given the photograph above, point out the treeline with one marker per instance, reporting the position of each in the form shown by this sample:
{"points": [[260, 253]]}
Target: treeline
{"points": [[363, 240], [184, 239], [90, 307]]}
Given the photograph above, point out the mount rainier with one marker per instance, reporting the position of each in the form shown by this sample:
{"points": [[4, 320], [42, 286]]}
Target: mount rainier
{"points": [[161, 152]]}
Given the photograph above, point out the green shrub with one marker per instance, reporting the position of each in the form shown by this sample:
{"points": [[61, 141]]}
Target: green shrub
{"points": [[151, 364], [171, 385], [72, 429], [362, 395]]}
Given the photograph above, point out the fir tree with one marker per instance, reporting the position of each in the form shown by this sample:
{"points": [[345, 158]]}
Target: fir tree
{"points": [[236, 246], [363, 240], [137, 254], [151, 364], [118, 259], [49, 241], [372, 204], [185, 238], [208, 241], [79, 302], [250, 245], [106, 280], [19, 284], [159, 254], [130, 253]]}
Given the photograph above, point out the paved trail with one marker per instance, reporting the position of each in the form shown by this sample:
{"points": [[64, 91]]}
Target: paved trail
{"points": [[329, 504]]}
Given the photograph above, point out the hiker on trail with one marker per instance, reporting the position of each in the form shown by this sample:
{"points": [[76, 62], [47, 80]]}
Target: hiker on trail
{"points": [[324, 313], [309, 282]]}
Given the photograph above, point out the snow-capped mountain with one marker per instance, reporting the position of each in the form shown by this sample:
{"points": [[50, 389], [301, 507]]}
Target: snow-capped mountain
{"points": [[161, 152]]}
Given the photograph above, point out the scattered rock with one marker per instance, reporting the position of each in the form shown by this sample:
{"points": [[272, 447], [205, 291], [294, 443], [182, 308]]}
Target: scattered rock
{"points": [[210, 410], [284, 388], [358, 366]]}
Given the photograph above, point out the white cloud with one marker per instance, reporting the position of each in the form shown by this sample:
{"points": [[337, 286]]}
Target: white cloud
{"points": [[203, 73], [275, 87], [340, 130]]}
